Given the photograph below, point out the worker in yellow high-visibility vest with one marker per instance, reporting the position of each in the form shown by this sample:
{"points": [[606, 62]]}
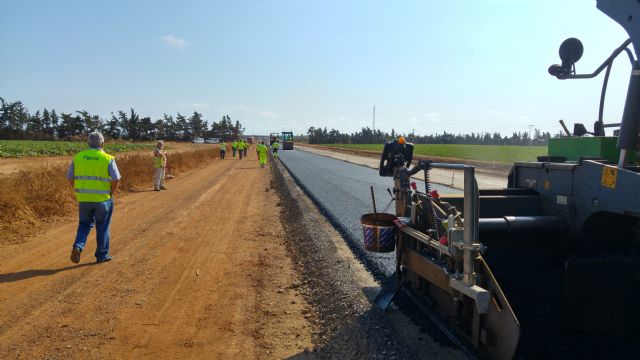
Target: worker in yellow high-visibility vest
{"points": [[159, 166], [94, 176], [241, 149], [275, 148], [234, 147], [223, 149], [262, 151], [245, 146]]}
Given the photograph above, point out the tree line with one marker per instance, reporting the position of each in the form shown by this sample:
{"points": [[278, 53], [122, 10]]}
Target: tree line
{"points": [[16, 123], [317, 135]]}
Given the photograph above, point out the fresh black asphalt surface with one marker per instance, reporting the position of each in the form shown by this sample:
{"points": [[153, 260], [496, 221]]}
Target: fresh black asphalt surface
{"points": [[342, 192], [533, 283]]}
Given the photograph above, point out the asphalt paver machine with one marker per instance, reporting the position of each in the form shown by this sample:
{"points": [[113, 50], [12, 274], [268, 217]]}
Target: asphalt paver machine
{"points": [[548, 267]]}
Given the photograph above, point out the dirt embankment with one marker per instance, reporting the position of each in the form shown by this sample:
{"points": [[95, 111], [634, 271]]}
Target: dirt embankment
{"points": [[37, 192], [11, 166], [200, 271]]}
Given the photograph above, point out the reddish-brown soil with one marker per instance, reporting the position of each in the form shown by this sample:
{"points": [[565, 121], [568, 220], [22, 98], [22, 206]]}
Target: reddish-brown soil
{"points": [[199, 271]]}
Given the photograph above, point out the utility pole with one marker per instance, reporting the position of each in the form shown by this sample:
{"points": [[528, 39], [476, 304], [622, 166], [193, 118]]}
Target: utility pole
{"points": [[530, 134], [374, 117]]}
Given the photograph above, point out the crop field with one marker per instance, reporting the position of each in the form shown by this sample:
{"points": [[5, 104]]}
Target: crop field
{"points": [[492, 153], [22, 148]]}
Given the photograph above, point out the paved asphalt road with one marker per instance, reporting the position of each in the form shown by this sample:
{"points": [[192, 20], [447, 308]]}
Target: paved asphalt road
{"points": [[342, 191], [533, 282]]}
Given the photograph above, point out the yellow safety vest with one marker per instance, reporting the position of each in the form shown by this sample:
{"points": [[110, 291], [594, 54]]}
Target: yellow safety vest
{"points": [[91, 179], [223, 146], [158, 161]]}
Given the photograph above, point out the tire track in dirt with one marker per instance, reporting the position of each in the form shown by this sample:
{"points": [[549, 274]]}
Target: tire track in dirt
{"points": [[174, 307]]}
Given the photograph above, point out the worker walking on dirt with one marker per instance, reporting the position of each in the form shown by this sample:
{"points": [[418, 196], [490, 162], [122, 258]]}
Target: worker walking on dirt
{"points": [[262, 150], [275, 147], [245, 147], [240, 149], [223, 149], [234, 147], [160, 166], [94, 176]]}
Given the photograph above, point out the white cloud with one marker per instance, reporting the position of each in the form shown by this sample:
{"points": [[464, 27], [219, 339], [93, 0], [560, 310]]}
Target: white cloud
{"points": [[235, 109], [195, 106], [498, 114], [267, 114], [242, 108], [201, 106], [432, 117], [174, 41]]}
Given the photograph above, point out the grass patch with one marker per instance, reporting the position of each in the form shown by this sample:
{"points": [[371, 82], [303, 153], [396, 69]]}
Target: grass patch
{"points": [[491, 153], [25, 148]]}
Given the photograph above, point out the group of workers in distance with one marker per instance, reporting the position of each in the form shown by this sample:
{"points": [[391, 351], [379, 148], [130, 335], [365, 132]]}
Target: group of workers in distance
{"points": [[241, 147], [94, 177]]}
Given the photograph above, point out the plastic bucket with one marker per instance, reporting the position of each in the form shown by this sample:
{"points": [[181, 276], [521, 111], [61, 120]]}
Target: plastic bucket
{"points": [[379, 232]]}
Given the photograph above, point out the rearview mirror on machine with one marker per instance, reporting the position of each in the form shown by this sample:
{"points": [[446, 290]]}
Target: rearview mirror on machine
{"points": [[570, 52]]}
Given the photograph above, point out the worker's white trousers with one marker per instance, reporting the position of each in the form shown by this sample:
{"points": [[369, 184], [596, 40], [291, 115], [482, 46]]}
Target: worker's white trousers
{"points": [[158, 179]]}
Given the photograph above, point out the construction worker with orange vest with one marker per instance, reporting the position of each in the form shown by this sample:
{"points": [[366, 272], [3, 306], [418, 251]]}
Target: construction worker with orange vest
{"points": [[159, 166], [94, 176]]}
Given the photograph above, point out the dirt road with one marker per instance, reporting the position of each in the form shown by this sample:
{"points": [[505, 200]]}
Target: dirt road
{"points": [[199, 271]]}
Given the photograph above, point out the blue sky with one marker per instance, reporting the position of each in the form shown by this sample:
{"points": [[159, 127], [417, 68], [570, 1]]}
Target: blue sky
{"points": [[455, 65]]}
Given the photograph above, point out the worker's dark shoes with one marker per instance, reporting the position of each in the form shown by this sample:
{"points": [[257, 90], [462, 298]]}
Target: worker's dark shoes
{"points": [[163, 188], [156, 189], [75, 255], [104, 259]]}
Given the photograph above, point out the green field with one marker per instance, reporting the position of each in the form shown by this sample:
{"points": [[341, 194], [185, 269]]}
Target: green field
{"points": [[491, 153], [21, 148]]}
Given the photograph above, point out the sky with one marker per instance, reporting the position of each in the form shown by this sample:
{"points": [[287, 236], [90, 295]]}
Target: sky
{"points": [[458, 66]]}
